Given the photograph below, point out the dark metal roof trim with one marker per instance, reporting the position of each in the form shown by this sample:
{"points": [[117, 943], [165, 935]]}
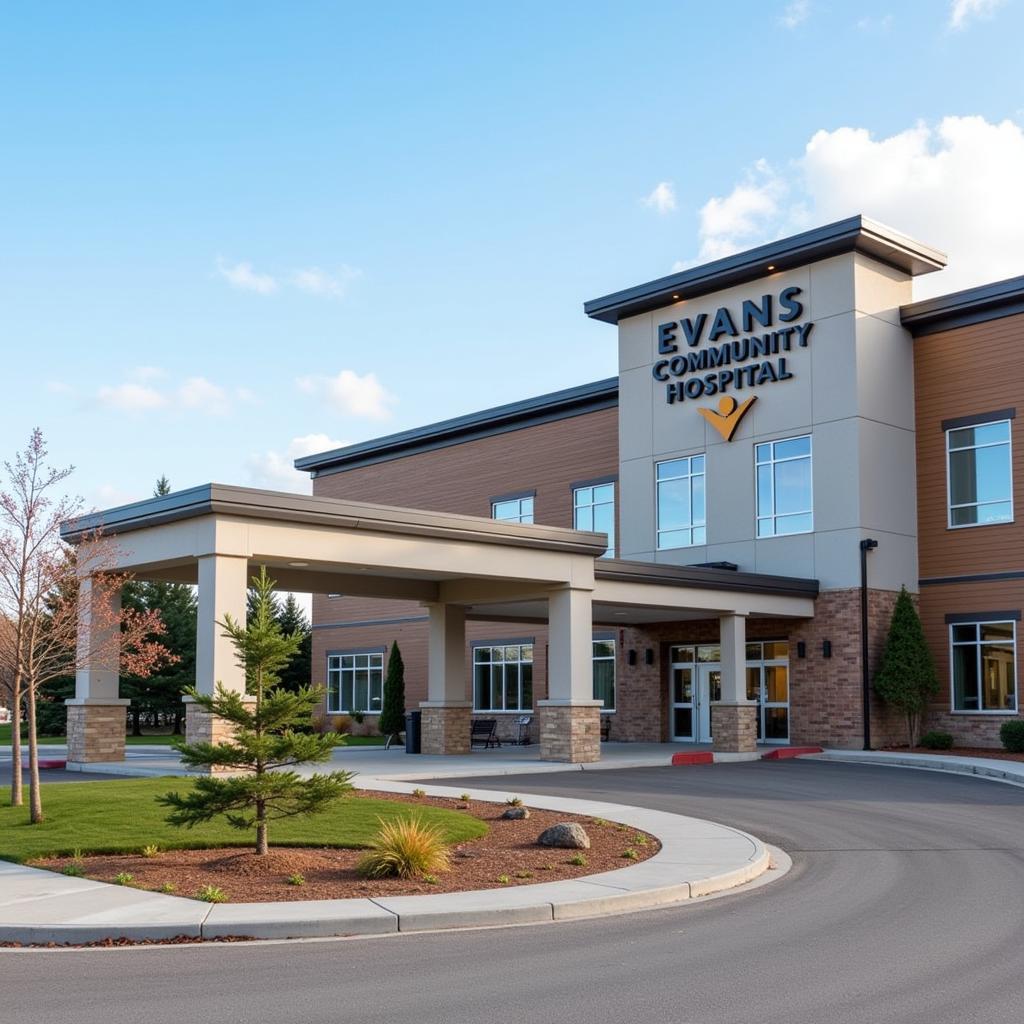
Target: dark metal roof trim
{"points": [[250, 502], [976, 421], [961, 309], [703, 577], [530, 412], [860, 234]]}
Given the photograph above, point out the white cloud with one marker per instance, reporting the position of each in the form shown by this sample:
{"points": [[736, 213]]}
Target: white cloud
{"points": [[963, 12], [144, 373], [662, 197], [955, 186], [275, 470], [795, 13], [315, 281], [351, 394], [200, 393], [131, 398], [245, 278]]}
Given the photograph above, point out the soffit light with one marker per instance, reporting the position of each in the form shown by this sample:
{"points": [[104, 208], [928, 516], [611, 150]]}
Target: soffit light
{"points": [[298, 565]]}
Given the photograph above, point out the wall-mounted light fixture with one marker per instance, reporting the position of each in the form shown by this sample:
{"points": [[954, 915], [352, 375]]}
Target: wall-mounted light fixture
{"points": [[801, 649], [826, 648], [649, 656], [631, 657]]}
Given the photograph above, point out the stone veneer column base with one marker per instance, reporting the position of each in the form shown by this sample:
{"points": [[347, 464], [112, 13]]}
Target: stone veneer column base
{"points": [[96, 731], [202, 727], [445, 728], [570, 732], [734, 728]]}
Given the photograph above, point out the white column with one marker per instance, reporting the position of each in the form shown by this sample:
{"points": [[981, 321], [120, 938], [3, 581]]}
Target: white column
{"points": [[446, 656], [97, 678], [570, 647], [223, 580], [733, 634]]}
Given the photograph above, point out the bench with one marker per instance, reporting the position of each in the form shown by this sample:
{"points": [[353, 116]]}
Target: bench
{"points": [[484, 731]]}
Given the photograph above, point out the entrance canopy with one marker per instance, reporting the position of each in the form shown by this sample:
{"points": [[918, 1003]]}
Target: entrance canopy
{"points": [[458, 566]]}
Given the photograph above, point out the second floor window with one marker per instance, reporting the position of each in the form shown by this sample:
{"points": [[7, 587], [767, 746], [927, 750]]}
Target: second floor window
{"points": [[784, 503], [513, 510], [979, 473], [681, 502], [594, 509]]}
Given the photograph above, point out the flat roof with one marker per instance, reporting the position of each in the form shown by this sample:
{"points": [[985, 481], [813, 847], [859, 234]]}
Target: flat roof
{"points": [[529, 412], [855, 234], [969, 306], [224, 499], [702, 576]]}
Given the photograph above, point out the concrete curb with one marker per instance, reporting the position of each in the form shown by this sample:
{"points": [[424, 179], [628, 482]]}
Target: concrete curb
{"points": [[993, 769], [698, 858]]}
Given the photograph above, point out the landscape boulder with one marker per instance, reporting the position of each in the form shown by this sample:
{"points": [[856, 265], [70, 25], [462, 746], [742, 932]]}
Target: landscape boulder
{"points": [[516, 813], [566, 834]]}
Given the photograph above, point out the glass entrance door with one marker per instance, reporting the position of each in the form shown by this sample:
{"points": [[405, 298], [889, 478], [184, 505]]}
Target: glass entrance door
{"points": [[682, 716], [709, 691], [695, 684]]}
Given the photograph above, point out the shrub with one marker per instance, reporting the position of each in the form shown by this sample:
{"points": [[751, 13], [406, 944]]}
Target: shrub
{"points": [[1011, 734], [342, 725], [524, 874], [358, 717], [430, 879], [167, 888], [514, 801], [318, 722], [405, 848], [577, 860], [629, 853], [465, 798], [639, 839], [936, 740], [124, 878], [419, 793], [212, 894], [599, 821], [503, 879], [73, 870], [150, 850], [296, 879]]}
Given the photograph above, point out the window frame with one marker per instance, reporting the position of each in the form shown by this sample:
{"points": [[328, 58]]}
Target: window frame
{"points": [[592, 485], [490, 645], [519, 497], [689, 476], [606, 638], [774, 516], [978, 644], [355, 652], [981, 421]]}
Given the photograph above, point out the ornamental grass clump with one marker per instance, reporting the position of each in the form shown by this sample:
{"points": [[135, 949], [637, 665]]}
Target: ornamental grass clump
{"points": [[405, 848]]}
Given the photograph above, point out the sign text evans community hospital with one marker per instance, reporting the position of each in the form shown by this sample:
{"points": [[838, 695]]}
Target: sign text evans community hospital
{"points": [[691, 367]]}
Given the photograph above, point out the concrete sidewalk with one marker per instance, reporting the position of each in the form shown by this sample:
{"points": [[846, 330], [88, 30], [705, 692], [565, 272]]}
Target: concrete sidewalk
{"points": [[697, 858], [995, 768]]}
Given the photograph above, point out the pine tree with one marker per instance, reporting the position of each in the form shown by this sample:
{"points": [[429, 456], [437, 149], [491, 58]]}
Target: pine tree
{"points": [[292, 619], [906, 678], [265, 744], [392, 711]]}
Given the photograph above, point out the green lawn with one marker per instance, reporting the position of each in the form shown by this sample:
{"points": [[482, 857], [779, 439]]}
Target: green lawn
{"points": [[165, 739], [122, 816]]}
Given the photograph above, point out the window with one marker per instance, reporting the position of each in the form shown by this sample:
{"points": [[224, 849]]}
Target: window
{"points": [[594, 509], [979, 474], [604, 673], [984, 658], [503, 678], [784, 503], [768, 684], [681, 515], [355, 681], [513, 510]]}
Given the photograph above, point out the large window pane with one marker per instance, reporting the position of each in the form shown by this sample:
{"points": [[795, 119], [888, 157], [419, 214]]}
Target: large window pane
{"points": [[503, 678], [980, 475], [792, 486], [594, 509], [680, 502], [784, 493], [776, 684]]}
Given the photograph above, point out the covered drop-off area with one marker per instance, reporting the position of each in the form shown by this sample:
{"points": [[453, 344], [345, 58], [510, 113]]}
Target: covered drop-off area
{"points": [[458, 567]]}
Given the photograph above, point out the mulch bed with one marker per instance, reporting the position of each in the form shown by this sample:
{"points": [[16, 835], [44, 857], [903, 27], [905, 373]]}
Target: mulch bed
{"points": [[508, 848], [1000, 755]]}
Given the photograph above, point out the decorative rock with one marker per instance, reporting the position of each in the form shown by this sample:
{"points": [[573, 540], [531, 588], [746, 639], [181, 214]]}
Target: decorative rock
{"points": [[567, 835], [516, 813]]}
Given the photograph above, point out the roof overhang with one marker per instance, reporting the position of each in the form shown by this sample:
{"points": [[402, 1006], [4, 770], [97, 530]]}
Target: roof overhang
{"points": [[855, 234], [963, 308]]}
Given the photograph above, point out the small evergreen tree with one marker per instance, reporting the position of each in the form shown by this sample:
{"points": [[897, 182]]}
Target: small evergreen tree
{"points": [[392, 711], [265, 745], [906, 679], [292, 619]]}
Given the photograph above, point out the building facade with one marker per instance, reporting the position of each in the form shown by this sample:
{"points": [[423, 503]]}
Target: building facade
{"points": [[787, 412]]}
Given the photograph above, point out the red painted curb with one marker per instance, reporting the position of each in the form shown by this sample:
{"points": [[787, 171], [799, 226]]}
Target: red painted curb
{"points": [[697, 757], [47, 762], [783, 752]]}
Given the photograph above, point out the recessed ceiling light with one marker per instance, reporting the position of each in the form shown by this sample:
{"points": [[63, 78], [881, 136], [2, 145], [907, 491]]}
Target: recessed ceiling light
{"points": [[298, 565], [771, 266], [675, 296]]}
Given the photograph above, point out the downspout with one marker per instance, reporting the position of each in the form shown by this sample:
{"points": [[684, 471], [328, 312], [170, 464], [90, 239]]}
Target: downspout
{"points": [[866, 545]]}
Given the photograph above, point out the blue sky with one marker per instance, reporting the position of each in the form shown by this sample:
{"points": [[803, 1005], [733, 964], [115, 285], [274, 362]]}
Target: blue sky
{"points": [[233, 232]]}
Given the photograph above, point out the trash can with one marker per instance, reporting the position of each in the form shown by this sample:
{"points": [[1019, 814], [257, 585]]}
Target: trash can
{"points": [[412, 731]]}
